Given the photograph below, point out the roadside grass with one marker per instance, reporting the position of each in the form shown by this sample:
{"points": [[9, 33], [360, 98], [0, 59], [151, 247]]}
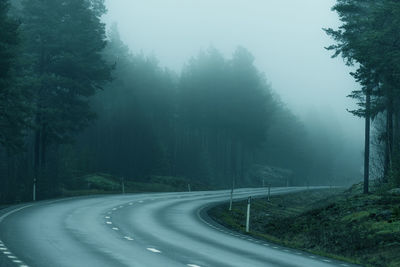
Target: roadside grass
{"points": [[101, 183], [348, 226]]}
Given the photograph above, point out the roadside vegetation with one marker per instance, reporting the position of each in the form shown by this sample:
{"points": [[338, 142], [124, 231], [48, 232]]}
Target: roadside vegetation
{"points": [[349, 225], [101, 183]]}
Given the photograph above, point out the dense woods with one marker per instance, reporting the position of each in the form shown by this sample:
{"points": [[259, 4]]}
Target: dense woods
{"points": [[75, 100], [369, 40]]}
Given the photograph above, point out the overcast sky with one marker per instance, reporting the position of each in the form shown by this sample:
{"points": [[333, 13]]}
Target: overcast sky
{"points": [[285, 36]]}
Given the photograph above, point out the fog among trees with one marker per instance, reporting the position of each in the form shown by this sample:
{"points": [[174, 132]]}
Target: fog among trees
{"points": [[76, 100]]}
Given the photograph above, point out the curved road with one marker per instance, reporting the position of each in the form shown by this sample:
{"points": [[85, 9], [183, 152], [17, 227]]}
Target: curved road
{"points": [[141, 230]]}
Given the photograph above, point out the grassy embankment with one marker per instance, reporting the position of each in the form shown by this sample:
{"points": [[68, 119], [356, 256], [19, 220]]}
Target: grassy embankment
{"points": [[101, 183], [348, 225]]}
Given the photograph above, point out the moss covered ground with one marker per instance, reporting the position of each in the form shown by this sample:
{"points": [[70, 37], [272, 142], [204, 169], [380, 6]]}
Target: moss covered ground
{"points": [[350, 226]]}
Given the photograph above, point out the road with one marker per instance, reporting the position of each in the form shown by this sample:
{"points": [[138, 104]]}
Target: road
{"points": [[164, 229]]}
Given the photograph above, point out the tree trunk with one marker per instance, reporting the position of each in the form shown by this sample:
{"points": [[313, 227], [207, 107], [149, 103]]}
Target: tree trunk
{"points": [[389, 140], [367, 141]]}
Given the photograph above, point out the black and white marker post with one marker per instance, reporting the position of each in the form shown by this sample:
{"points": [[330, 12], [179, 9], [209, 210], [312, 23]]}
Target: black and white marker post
{"points": [[230, 203], [248, 215], [34, 189]]}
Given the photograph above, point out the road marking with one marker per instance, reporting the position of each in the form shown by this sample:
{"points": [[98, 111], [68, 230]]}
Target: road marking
{"points": [[153, 250], [128, 238], [17, 261], [313, 257], [114, 209], [13, 211], [298, 253], [115, 228], [6, 252], [11, 257], [266, 245], [345, 265], [121, 207], [108, 222], [193, 265], [3, 248], [275, 247], [327, 261], [107, 217]]}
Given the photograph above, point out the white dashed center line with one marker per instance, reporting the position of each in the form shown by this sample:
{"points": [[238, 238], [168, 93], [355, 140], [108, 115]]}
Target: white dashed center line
{"points": [[115, 228], [128, 238], [108, 222], [193, 265], [153, 250]]}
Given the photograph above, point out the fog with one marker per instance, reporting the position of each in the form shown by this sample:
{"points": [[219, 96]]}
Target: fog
{"points": [[174, 92], [285, 37]]}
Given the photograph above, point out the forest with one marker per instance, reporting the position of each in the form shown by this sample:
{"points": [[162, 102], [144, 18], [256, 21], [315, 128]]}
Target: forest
{"points": [[75, 101]]}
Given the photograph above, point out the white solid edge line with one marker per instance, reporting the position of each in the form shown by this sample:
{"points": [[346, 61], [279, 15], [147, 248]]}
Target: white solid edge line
{"points": [[14, 211]]}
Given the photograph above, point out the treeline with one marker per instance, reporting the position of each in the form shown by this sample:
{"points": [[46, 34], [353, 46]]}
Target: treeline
{"points": [[369, 39], [76, 101]]}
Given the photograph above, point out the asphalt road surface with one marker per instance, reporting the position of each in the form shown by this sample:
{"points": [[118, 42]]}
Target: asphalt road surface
{"points": [[169, 229]]}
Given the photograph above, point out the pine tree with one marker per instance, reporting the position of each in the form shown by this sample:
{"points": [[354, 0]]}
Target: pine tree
{"points": [[12, 105], [64, 41], [369, 37]]}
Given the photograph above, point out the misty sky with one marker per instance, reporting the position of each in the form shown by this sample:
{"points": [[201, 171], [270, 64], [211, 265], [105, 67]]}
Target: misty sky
{"points": [[285, 36]]}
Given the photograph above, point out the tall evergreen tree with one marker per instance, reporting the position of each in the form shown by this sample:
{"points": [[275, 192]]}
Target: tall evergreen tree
{"points": [[369, 37], [64, 41], [12, 103]]}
